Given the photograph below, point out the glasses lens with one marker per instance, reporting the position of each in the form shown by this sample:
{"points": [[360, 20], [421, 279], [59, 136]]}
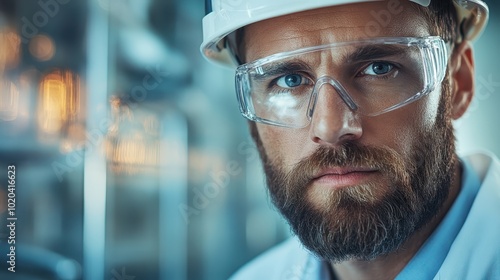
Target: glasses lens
{"points": [[386, 77], [281, 97], [377, 77]]}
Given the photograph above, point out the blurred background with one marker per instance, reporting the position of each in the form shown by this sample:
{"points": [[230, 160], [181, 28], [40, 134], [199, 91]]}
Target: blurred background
{"points": [[132, 160]]}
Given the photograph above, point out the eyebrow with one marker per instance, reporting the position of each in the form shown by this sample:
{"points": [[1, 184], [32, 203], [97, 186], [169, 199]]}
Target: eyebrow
{"points": [[373, 52], [363, 53], [279, 68]]}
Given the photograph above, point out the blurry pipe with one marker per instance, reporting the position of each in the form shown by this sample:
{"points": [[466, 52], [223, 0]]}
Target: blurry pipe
{"points": [[173, 193], [95, 163]]}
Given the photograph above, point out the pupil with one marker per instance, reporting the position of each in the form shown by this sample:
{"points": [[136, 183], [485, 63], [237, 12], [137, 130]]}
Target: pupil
{"points": [[380, 68], [293, 80]]}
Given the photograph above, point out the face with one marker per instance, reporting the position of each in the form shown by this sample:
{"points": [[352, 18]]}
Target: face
{"points": [[353, 186]]}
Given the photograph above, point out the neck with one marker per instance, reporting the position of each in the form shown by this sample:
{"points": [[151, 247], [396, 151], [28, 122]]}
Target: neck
{"points": [[389, 266]]}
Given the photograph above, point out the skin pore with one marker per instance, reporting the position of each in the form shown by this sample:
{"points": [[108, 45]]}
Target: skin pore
{"points": [[335, 130]]}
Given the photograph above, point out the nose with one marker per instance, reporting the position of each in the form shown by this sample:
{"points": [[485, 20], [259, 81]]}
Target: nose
{"points": [[334, 120]]}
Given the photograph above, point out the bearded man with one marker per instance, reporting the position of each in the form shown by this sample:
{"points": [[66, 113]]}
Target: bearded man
{"points": [[351, 105]]}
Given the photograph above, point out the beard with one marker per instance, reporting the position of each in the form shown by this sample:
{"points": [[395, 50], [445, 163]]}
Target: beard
{"points": [[362, 222]]}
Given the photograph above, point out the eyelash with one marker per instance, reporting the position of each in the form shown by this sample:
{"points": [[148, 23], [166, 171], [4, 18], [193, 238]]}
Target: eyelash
{"points": [[274, 81], [395, 66]]}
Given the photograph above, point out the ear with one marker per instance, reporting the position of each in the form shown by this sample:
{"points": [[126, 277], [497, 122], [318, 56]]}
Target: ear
{"points": [[462, 78]]}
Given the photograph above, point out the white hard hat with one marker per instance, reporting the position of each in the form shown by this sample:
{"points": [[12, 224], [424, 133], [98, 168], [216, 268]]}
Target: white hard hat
{"points": [[225, 16]]}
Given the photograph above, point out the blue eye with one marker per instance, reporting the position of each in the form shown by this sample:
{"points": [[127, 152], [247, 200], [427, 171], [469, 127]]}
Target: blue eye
{"points": [[378, 68], [290, 81]]}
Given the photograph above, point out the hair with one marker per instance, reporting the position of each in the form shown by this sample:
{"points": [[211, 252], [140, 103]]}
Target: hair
{"points": [[442, 19], [441, 16]]}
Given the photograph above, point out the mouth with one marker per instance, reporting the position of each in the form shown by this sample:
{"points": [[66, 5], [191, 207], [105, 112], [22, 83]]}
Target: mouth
{"points": [[341, 177]]}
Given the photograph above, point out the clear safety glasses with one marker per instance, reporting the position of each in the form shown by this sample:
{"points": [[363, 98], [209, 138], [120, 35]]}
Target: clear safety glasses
{"points": [[371, 77]]}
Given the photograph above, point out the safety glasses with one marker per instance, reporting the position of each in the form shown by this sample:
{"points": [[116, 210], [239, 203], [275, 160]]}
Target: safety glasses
{"points": [[371, 77]]}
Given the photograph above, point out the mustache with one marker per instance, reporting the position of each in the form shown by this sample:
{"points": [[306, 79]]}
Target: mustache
{"points": [[348, 155]]}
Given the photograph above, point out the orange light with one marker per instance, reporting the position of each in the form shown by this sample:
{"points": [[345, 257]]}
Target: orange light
{"points": [[10, 46], [59, 105], [132, 156], [132, 144], [52, 111], [42, 47]]}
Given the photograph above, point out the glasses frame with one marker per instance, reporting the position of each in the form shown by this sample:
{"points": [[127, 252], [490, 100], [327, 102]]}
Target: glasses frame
{"points": [[433, 49]]}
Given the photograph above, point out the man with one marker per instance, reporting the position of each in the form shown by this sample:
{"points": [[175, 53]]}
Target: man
{"points": [[351, 105]]}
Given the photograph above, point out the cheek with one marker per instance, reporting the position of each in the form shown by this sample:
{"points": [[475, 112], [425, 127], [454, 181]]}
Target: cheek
{"points": [[429, 110], [283, 146], [413, 120]]}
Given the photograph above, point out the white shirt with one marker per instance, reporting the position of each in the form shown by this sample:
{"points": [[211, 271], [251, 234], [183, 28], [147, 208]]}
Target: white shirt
{"points": [[465, 245]]}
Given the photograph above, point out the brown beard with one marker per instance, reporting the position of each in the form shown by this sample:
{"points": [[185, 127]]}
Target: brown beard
{"points": [[354, 224]]}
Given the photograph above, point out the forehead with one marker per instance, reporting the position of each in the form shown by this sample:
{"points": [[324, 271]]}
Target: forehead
{"points": [[394, 18]]}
